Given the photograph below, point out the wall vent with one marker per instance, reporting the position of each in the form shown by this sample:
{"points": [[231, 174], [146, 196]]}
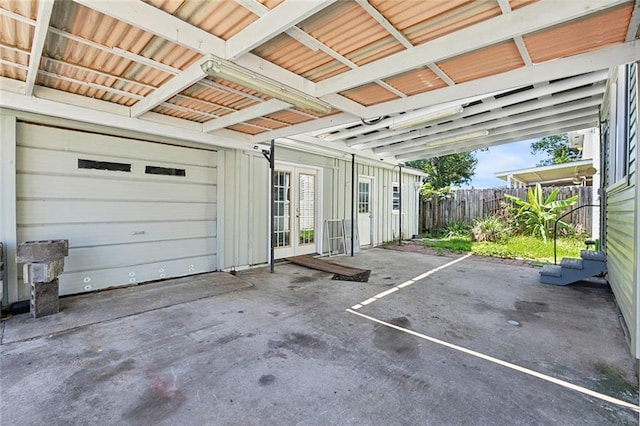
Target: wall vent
{"points": [[103, 165], [166, 171]]}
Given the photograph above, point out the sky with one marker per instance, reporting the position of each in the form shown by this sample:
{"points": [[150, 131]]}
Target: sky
{"points": [[501, 158]]}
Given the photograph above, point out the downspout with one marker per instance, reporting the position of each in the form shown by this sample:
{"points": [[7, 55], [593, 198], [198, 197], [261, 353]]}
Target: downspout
{"points": [[400, 204], [272, 166], [353, 198]]}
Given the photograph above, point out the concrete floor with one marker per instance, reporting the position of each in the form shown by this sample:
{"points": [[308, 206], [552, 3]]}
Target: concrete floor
{"points": [[282, 348]]}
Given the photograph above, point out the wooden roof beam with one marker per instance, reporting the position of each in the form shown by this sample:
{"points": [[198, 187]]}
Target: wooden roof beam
{"points": [[490, 141], [488, 105], [514, 134], [547, 115], [265, 108], [45, 7], [274, 22], [373, 12], [534, 17], [545, 71], [177, 84], [577, 100]]}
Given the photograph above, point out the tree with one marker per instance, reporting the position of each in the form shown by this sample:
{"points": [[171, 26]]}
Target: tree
{"points": [[557, 148], [448, 170]]}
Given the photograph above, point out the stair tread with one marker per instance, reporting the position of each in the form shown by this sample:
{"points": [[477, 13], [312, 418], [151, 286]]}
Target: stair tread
{"points": [[571, 263], [552, 270], [592, 255]]}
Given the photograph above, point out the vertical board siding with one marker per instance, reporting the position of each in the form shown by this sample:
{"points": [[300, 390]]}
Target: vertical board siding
{"points": [[249, 193], [245, 209], [621, 243], [122, 227], [466, 205]]}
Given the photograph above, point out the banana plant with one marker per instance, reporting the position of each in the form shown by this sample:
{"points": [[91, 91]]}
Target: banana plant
{"points": [[536, 215]]}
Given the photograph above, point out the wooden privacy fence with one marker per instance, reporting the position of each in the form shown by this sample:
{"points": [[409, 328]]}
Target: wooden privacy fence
{"points": [[465, 205]]}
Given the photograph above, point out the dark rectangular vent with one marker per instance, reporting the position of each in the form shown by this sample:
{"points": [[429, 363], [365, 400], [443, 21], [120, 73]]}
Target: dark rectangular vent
{"points": [[166, 171], [103, 165]]}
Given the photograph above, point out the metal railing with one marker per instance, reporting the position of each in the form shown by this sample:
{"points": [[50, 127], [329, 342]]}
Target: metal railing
{"points": [[555, 228]]}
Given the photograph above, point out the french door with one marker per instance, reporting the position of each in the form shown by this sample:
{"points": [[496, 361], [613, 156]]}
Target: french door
{"points": [[296, 208]]}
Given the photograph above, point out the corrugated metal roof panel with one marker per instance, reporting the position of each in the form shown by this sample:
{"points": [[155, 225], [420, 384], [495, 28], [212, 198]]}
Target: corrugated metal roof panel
{"points": [[416, 81], [517, 4], [426, 20], [26, 8], [270, 3], [491, 60], [270, 124], [243, 128], [298, 58], [220, 18], [200, 105], [289, 117], [16, 33], [369, 94], [583, 35], [86, 75], [349, 30], [232, 101], [16, 72]]}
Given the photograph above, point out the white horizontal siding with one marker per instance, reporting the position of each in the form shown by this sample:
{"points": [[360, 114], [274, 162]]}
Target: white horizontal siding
{"points": [[621, 224], [38, 212], [78, 282], [112, 188], [55, 139], [32, 160]]}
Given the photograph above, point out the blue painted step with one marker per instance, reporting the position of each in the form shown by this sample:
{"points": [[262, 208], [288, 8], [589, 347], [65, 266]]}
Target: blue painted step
{"points": [[571, 270]]}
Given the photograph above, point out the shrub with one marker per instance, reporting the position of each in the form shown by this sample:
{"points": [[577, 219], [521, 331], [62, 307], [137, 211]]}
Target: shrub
{"points": [[535, 217], [490, 228], [457, 228]]}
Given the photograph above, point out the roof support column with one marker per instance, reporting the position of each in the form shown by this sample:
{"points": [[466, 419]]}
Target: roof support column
{"points": [[8, 220]]}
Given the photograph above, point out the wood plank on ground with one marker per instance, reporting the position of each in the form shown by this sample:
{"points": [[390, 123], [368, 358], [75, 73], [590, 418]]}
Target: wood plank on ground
{"points": [[341, 272]]}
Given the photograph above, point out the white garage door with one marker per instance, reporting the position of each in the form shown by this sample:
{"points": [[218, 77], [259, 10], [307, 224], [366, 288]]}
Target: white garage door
{"points": [[132, 210]]}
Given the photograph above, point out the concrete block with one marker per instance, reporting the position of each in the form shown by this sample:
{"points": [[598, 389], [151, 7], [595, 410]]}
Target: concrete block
{"points": [[42, 251], [42, 272], [44, 299]]}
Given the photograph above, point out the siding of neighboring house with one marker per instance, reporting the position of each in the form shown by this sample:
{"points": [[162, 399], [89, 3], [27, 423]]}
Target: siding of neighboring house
{"points": [[620, 153]]}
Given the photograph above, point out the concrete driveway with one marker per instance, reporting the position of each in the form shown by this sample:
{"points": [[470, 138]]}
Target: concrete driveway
{"points": [[470, 342]]}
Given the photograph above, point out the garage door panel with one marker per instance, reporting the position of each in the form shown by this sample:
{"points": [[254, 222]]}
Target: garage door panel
{"points": [[36, 212], [72, 188], [123, 227], [85, 235], [79, 282], [41, 161], [122, 255], [54, 139]]}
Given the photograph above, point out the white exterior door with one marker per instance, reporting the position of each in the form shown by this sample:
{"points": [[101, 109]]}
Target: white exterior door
{"points": [[296, 209], [365, 209], [132, 211]]}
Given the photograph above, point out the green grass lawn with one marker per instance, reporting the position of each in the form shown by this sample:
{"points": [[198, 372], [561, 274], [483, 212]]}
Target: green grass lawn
{"points": [[519, 247]]}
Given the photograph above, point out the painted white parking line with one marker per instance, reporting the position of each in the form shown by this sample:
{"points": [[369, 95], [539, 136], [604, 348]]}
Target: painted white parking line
{"points": [[505, 364], [407, 283]]}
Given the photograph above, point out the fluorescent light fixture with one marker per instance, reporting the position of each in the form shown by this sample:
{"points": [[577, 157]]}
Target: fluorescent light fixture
{"points": [[460, 138], [401, 125], [245, 78]]}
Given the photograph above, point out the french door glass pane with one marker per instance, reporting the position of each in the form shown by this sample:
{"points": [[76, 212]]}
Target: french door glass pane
{"points": [[363, 197], [282, 209], [306, 209]]}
